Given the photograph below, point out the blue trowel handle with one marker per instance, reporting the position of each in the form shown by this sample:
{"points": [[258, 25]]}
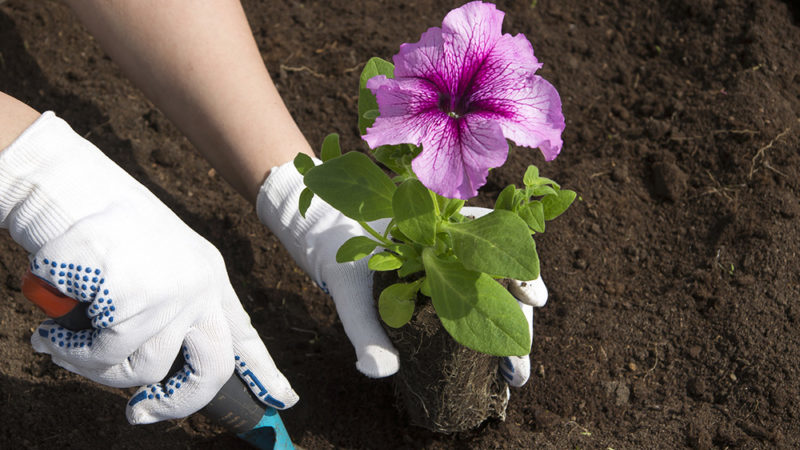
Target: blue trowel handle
{"points": [[235, 407]]}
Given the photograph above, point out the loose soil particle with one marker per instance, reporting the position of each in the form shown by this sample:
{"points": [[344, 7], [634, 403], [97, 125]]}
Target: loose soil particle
{"points": [[699, 290]]}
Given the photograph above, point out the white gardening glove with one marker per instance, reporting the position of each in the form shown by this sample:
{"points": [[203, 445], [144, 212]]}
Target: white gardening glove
{"points": [[313, 242], [154, 287]]}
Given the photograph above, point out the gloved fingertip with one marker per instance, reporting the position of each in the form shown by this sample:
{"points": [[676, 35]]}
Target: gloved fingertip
{"points": [[532, 292], [139, 417], [516, 370], [378, 362], [266, 382], [156, 402], [136, 412], [281, 401], [39, 344], [41, 337]]}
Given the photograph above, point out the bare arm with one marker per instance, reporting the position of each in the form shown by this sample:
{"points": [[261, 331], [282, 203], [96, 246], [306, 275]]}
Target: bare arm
{"points": [[15, 117], [198, 62]]}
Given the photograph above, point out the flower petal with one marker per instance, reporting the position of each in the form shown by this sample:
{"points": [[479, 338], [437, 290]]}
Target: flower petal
{"points": [[449, 57], [404, 107], [474, 18], [423, 60], [529, 115], [527, 107], [470, 34], [457, 155]]}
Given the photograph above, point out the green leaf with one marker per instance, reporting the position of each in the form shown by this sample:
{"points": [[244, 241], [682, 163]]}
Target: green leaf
{"points": [[520, 197], [554, 205], [406, 251], [453, 206], [447, 206], [398, 235], [425, 287], [384, 261], [303, 163], [499, 244], [330, 147], [396, 303], [476, 310], [305, 201], [410, 266], [412, 261], [366, 100], [354, 185], [531, 176], [505, 199], [396, 157], [533, 215], [355, 248], [415, 212], [543, 190], [543, 180], [372, 114]]}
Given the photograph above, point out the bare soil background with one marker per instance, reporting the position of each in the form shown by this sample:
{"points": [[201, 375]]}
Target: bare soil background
{"points": [[674, 281]]}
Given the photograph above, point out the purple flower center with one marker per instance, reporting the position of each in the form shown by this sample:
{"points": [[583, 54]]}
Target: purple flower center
{"points": [[454, 106]]}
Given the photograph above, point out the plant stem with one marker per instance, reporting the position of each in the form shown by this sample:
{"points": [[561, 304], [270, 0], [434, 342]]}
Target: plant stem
{"points": [[375, 234], [435, 203], [388, 228]]}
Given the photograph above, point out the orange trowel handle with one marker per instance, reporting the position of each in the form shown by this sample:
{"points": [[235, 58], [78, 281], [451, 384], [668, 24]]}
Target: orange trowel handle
{"points": [[45, 296], [66, 311]]}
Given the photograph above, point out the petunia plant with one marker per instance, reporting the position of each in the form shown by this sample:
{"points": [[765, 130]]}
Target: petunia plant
{"points": [[439, 119]]}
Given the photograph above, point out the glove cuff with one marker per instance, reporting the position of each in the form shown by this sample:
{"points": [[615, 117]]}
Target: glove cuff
{"points": [[277, 207], [311, 240], [49, 178]]}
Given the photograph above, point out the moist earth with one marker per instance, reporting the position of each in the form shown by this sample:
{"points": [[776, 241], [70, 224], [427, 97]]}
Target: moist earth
{"points": [[673, 313]]}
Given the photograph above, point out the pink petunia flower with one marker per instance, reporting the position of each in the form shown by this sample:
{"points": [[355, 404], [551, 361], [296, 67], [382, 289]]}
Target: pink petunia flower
{"points": [[459, 93]]}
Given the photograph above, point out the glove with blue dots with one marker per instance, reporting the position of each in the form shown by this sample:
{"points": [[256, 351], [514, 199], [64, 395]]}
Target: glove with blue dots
{"points": [[313, 242], [154, 288]]}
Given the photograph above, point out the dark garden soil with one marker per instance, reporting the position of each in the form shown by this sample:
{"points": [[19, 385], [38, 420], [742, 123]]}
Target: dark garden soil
{"points": [[674, 281]]}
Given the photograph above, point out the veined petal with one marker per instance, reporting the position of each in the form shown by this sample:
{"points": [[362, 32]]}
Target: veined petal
{"points": [[539, 121], [469, 33], [457, 155], [505, 69], [405, 106], [449, 57], [475, 19], [529, 115], [424, 60], [526, 106]]}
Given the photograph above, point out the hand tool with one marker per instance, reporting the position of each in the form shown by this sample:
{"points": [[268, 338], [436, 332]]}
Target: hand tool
{"points": [[234, 407]]}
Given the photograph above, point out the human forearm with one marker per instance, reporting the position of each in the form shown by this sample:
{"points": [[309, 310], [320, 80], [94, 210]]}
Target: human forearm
{"points": [[198, 62], [15, 117]]}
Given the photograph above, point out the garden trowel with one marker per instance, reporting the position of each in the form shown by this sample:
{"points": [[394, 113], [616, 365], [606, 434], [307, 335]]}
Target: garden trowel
{"points": [[234, 407]]}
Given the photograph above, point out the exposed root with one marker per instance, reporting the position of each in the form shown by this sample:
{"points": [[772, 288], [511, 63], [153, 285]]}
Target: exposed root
{"points": [[302, 69], [761, 153]]}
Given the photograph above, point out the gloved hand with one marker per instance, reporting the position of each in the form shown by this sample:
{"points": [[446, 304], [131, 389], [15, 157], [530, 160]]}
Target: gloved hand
{"points": [[313, 242], [153, 285]]}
